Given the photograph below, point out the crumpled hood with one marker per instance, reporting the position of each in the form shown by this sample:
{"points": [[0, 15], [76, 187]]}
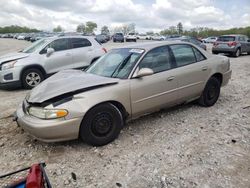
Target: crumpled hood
{"points": [[12, 56], [67, 81]]}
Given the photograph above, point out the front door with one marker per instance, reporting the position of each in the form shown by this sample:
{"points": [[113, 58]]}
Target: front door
{"points": [[156, 91], [60, 59]]}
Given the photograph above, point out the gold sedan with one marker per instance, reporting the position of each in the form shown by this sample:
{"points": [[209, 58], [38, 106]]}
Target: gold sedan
{"points": [[122, 85]]}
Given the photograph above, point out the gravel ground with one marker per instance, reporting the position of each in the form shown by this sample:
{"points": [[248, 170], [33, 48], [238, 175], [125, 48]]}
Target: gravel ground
{"points": [[186, 146]]}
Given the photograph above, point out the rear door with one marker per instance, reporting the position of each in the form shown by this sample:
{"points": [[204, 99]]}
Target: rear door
{"points": [[192, 70], [61, 58], [155, 91], [82, 52]]}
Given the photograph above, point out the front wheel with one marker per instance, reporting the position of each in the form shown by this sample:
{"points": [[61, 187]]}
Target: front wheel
{"points": [[211, 93], [101, 125], [31, 78]]}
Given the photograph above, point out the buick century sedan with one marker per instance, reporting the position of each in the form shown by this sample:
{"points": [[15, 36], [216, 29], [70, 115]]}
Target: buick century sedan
{"points": [[124, 84]]}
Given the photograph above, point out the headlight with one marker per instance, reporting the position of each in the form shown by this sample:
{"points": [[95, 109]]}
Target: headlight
{"points": [[47, 113], [8, 65]]}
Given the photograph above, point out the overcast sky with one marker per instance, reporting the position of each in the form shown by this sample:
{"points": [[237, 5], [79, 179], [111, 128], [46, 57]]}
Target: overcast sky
{"points": [[148, 15]]}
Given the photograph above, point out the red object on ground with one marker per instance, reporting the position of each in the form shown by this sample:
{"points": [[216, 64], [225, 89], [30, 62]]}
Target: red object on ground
{"points": [[35, 177]]}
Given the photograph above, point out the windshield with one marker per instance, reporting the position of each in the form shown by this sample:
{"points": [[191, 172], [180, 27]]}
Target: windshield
{"points": [[35, 46], [119, 34], [118, 63], [226, 38]]}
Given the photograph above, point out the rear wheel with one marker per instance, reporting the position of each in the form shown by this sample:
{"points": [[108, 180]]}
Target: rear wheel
{"points": [[237, 53], [211, 92], [31, 78], [101, 125]]}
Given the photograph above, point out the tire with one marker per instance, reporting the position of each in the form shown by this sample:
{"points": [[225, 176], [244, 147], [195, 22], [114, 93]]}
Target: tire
{"points": [[101, 125], [123, 40], [211, 93], [135, 40], [248, 53], [215, 53], [31, 78], [237, 53], [114, 40]]}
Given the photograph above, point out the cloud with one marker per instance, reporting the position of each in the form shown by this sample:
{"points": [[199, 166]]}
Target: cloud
{"points": [[157, 15]]}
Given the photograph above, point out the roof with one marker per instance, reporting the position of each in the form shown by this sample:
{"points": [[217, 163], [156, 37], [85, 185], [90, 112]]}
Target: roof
{"points": [[150, 45]]}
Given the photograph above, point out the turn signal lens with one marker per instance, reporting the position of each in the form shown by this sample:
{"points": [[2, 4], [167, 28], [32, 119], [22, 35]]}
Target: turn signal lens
{"points": [[61, 113]]}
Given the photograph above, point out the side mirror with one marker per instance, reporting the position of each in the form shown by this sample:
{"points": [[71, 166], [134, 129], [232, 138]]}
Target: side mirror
{"points": [[144, 72], [50, 51]]}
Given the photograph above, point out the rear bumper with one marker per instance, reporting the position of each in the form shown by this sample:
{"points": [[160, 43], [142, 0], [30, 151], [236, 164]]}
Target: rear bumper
{"points": [[226, 77], [223, 50]]}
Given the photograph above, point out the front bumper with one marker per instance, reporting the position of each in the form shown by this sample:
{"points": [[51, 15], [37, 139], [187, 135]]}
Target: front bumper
{"points": [[226, 77], [10, 85], [10, 78], [48, 130]]}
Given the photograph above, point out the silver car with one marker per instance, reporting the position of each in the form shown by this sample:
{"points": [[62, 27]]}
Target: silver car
{"points": [[45, 57], [124, 84], [232, 44]]}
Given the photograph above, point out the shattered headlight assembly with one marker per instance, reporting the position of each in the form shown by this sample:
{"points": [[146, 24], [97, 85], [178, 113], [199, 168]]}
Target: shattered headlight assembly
{"points": [[8, 65], [43, 113]]}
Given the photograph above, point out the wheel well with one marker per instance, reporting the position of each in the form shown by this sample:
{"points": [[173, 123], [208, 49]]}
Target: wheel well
{"points": [[33, 67], [121, 108], [218, 76], [117, 104]]}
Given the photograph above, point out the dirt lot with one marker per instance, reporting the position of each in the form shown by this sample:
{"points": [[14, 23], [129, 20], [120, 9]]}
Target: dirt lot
{"points": [[187, 146]]}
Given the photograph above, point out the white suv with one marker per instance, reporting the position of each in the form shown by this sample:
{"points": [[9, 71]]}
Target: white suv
{"points": [[45, 57], [131, 37]]}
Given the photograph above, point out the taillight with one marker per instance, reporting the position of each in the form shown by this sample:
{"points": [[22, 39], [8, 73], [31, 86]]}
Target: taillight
{"points": [[230, 44], [104, 49], [215, 44]]}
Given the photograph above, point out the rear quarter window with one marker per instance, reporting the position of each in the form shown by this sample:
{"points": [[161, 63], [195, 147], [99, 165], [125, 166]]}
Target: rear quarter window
{"points": [[199, 56], [79, 42]]}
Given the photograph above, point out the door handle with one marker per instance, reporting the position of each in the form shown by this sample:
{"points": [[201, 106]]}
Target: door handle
{"points": [[204, 68], [170, 78]]}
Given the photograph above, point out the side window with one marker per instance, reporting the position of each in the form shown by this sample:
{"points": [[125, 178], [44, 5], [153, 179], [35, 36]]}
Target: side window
{"points": [[157, 59], [59, 45], [79, 42], [240, 38], [199, 56], [183, 54]]}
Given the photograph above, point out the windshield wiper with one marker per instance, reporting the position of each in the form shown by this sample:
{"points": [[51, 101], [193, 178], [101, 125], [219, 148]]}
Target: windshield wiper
{"points": [[120, 66]]}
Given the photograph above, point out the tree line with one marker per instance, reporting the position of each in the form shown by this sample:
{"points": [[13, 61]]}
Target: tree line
{"points": [[90, 27], [17, 29], [204, 31]]}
